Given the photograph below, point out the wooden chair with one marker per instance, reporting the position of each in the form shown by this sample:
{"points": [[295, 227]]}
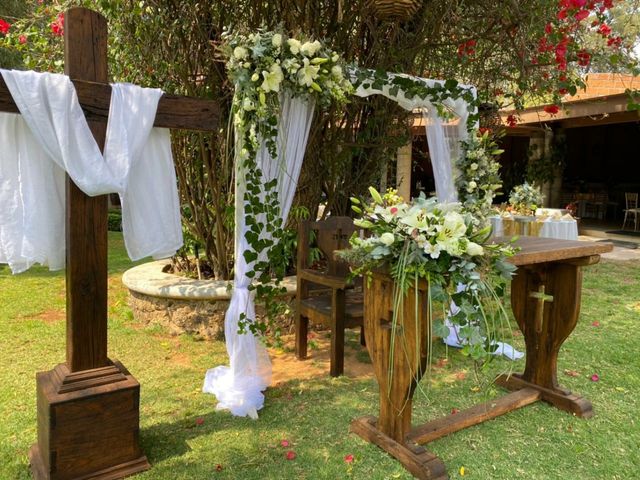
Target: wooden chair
{"points": [[326, 296], [631, 210]]}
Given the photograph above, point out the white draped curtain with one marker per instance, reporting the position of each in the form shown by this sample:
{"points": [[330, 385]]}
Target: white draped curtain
{"points": [[239, 386], [51, 137]]}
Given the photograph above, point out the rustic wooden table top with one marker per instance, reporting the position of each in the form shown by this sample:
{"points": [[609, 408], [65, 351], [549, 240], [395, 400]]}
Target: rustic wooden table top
{"points": [[541, 250]]}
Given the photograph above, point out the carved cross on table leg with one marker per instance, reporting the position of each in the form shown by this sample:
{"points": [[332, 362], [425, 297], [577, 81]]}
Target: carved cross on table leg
{"points": [[545, 299]]}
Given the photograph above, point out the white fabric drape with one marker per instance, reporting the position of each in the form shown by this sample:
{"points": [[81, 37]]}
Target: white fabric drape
{"points": [[239, 386], [443, 136], [50, 137]]}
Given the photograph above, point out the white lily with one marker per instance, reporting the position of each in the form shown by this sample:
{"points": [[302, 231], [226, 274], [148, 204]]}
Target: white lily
{"points": [[276, 40], [307, 73], [272, 79]]}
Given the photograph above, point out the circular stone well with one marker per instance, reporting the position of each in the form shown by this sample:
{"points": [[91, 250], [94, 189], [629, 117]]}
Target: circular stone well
{"points": [[180, 304]]}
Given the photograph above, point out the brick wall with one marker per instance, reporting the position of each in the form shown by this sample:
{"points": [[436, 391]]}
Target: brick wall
{"points": [[602, 84]]}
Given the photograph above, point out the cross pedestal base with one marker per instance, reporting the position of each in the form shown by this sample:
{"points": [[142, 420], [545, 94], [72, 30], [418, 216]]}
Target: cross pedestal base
{"points": [[88, 425]]}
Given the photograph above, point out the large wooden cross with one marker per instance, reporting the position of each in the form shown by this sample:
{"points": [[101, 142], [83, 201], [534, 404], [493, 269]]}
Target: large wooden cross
{"points": [[88, 408]]}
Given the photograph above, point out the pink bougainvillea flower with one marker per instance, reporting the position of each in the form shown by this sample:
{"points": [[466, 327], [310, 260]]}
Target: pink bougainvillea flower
{"points": [[512, 121], [290, 455], [581, 15], [4, 26], [595, 377], [595, 324], [348, 458], [578, 3], [284, 443], [393, 210], [551, 109], [584, 58], [604, 30], [199, 421], [22, 39], [57, 26]]}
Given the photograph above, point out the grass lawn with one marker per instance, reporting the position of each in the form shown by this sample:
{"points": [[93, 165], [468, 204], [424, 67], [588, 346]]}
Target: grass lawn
{"points": [[185, 438]]}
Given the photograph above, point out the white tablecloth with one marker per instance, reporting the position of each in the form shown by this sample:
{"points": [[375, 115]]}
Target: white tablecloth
{"points": [[563, 229]]}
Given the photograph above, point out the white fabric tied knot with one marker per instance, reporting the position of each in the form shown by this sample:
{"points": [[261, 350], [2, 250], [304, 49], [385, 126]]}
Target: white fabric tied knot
{"points": [[52, 137]]}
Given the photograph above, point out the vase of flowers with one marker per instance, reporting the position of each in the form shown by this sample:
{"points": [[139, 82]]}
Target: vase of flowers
{"points": [[416, 258]]}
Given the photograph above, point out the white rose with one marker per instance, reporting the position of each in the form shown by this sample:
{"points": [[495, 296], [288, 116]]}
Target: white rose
{"points": [[294, 45], [336, 71], [310, 48], [473, 166], [276, 41], [248, 105], [474, 249], [240, 53], [387, 238]]}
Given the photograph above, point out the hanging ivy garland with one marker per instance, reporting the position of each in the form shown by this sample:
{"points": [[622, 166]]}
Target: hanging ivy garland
{"points": [[262, 65]]}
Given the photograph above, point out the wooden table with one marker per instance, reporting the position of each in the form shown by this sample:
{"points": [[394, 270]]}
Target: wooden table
{"points": [[545, 298]]}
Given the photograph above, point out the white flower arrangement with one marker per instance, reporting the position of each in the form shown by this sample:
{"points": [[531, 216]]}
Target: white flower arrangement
{"points": [[262, 66], [478, 179], [525, 199], [439, 243]]}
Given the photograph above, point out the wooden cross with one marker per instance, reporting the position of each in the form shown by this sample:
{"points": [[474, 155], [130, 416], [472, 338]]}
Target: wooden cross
{"points": [[89, 384], [541, 298]]}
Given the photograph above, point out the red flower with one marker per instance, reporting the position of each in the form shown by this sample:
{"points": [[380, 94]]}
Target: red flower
{"points": [[348, 458], [581, 15], [393, 210], [481, 131], [595, 377], [614, 41], [578, 3], [548, 28], [57, 26], [604, 30], [584, 58], [290, 455], [551, 109], [563, 91], [199, 421], [595, 324], [562, 14], [4, 26], [284, 443], [512, 121], [22, 39]]}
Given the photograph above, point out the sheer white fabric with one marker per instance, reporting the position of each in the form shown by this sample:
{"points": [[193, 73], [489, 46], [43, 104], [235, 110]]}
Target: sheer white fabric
{"points": [[50, 137], [239, 386]]}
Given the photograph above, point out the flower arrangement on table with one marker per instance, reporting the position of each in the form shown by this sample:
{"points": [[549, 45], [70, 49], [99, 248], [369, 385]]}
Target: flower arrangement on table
{"points": [[525, 199], [441, 244]]}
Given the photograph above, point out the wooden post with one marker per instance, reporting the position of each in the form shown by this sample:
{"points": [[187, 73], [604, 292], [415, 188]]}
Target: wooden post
{"points": [[88, 407], [85, 53]]}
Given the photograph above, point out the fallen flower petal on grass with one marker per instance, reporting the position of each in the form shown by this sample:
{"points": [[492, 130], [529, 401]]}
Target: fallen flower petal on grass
{"points": [[462, 471], [348, 458], [284, 443], [595, 377], [199, 421], [454, 411], [290, 455], [595, 324], [218, 468]]}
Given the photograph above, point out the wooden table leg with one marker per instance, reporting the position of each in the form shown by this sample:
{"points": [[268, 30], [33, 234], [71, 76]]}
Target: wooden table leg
{"points": [[386, 344], [546, 304]]}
